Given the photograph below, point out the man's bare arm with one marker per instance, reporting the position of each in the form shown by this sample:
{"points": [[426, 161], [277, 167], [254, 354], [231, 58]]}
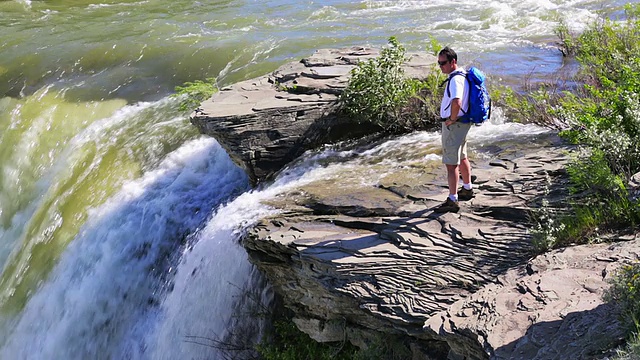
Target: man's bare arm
{"points": [[456, 104]]}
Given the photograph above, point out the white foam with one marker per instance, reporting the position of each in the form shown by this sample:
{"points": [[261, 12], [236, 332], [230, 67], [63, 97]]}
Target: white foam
{"points": [[477, 26], [107, 278]]}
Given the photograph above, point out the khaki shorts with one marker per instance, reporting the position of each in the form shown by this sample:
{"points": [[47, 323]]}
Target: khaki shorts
{"points": [[454, 142]]}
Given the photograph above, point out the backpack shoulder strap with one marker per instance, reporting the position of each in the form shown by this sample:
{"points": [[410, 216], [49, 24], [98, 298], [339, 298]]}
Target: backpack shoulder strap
{"points": [[451, 76]]}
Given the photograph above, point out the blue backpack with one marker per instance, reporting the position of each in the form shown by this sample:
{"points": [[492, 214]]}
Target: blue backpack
{"points": [[479, 100]]}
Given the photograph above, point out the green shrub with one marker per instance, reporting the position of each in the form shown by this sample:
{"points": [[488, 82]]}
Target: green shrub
{"points": [[289, 343], [598, 200], [624, 292], [533, 106], [602, 114], [603, 200], [379, 92], [547, 230], [192, 94], [608, 51], [607, 116], [632, 349]]}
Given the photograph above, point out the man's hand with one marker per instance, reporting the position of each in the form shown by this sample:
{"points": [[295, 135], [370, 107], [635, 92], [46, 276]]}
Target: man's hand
{"points": [[449, 121]]}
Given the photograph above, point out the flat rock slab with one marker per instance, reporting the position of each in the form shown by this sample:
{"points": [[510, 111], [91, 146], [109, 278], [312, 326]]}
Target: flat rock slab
{"points": [[328, 72], [350, 260]]}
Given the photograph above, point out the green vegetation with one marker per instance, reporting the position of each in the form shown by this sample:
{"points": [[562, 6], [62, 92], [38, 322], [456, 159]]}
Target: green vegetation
{"points": [[625, 292], [192, 94], [289, 343], [379, 92], [600, 112], [631, 350]]}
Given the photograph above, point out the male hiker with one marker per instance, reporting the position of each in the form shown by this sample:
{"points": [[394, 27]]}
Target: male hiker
{"points": [[455, 102]]}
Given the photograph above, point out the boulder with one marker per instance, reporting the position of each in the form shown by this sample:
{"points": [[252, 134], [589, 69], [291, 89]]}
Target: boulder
{"points": [[356, 262]]}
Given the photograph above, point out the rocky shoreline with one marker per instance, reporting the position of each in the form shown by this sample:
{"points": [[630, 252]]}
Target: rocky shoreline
{"points": [[356, 262]]}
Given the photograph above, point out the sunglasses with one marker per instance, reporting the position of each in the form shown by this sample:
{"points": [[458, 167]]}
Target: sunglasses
{"points": [[440, 63]]}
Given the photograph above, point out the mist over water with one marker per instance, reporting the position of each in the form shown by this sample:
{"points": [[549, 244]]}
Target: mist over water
{"points": [[119, 223]]}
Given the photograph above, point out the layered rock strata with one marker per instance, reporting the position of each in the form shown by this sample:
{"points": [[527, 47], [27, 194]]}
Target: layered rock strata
{"points": [[351, 263], [266, 122]]}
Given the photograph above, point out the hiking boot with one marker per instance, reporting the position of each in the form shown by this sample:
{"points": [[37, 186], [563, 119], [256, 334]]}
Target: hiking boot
{"points": [[464, 194], [447, 206]]}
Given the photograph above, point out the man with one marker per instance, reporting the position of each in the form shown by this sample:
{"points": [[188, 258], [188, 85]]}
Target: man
{"points": [[455, 103]]}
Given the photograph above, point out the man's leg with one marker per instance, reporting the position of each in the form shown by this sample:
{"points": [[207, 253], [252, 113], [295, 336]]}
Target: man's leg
{"points": [[453, 146], [452, 178], [465, 171], [451, 203]]}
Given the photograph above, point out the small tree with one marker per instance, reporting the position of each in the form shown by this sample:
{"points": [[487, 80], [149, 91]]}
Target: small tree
{"points": [[379, 92]]}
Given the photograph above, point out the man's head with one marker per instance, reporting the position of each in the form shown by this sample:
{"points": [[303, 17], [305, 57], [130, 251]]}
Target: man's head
{"points": [[447, 60]]}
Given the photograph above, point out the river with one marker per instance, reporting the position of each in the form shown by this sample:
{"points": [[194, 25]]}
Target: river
{"points": [[119, 223]]}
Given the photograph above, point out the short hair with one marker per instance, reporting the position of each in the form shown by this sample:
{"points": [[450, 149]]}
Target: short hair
{"points": [[449, 53]]}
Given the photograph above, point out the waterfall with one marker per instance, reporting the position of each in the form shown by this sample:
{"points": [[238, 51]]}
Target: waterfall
{"points": [[110, 277]]}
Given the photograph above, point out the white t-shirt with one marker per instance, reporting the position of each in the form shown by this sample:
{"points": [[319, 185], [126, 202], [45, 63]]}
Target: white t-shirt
{"points": [[458, 89]]}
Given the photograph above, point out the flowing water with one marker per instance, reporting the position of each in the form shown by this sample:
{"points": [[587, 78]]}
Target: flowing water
{"points": [[119, 223]]}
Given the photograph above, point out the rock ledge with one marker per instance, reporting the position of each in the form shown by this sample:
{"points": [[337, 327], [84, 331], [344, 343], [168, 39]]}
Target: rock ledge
{"points": [[351, 264], [266, 122]]}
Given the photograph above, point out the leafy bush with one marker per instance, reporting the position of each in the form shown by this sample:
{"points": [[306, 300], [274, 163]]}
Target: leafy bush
{"points": [[192, 94], [605, 114], [624, 292], [602, 200], [632, 349], [533, 106], [379, 92], [598, 200], [602, 114]]}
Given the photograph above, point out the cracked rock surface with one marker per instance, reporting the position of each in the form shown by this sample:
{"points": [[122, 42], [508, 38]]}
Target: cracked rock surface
{"points": [[351, 261]]}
